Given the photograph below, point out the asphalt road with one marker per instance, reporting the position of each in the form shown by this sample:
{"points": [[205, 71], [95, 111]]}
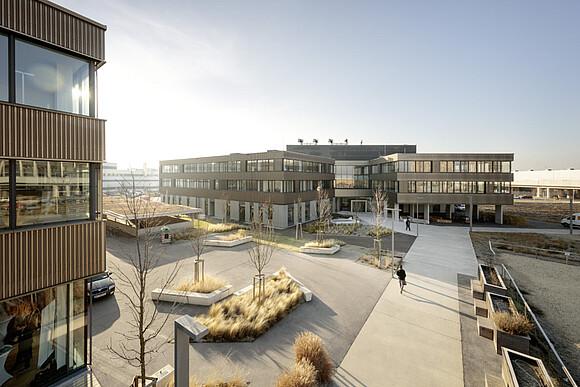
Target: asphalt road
{"points": [[345, 292]]}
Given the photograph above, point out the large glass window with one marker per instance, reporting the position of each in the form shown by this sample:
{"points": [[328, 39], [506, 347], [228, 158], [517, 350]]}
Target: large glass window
{"points": [[50, 191], [3, 68], [42, 335], [51, 80], [4, 195]]}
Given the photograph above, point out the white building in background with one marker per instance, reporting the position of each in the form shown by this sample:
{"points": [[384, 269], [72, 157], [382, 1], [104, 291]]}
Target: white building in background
{"points": [[114, 179], [558, 184]]}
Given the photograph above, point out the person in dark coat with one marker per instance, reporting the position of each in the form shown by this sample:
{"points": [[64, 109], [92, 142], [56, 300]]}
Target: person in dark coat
{"points": [[402, 275], [408, 224]]}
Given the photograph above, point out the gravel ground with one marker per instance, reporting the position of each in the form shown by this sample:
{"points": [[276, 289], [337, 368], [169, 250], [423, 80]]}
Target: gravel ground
{"points": [[553, 288]]}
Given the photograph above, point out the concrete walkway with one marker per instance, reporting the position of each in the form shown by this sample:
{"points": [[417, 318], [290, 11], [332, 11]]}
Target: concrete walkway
{"points": [[414, 338]]}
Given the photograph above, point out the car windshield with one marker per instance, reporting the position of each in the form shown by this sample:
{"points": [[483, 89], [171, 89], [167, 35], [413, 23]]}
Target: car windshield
{"points": [[100, 277]]}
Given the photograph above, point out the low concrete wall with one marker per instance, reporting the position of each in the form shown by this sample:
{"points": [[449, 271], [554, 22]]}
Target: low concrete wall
{"points": [[191, 298], [220, 243], [320, 250]]}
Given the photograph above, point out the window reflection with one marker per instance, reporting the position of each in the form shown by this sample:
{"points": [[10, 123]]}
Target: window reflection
{"points": [[42, 335], [49, 191], [3, 68], [51, 80], [4, 195]]}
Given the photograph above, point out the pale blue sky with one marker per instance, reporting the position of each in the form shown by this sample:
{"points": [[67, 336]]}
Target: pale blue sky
{"points": [[200, 78]]}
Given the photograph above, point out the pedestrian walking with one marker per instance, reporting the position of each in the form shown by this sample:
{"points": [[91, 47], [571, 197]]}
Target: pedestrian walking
{"points": [[408, 224], [402, 275]]}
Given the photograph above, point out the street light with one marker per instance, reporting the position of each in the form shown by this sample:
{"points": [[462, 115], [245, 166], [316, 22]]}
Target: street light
{"points": [[392, 240], [417, 215]]}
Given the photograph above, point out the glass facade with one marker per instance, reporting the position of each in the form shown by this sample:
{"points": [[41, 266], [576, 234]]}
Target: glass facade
{"points": [[46, 192], [51, 80], [51, 191], [4, 195], [43, 335], [351, 176], [3, 68], [475, 187]]}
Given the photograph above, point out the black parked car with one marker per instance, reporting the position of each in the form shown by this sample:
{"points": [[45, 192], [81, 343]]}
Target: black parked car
{"points": [[103, 285]]}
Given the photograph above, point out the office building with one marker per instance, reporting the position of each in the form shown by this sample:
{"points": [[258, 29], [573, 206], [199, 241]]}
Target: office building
{"points": [[143, 181], [52, 146], [417, 184], [239, 186]]}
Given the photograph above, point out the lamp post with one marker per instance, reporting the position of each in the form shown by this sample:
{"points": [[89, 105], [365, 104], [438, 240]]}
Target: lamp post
{"points": [[417, 214], [392, 240]]}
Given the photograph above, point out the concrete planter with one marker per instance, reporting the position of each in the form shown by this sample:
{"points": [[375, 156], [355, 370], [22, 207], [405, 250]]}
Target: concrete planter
{"points": [[488, 286], [191, 298], [220, 243], [503, 339], [320, 250], [518, 369], [307, 292]]}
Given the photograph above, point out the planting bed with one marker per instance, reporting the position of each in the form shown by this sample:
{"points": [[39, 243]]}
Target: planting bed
{"points": [[241, 318], [519, 369]]}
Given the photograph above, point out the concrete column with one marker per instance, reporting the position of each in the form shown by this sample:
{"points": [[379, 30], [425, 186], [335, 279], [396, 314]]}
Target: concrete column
{"points": [[499, 214], [548, 192], [448, 211], [397, 214], [426, 212], [476, 211]]}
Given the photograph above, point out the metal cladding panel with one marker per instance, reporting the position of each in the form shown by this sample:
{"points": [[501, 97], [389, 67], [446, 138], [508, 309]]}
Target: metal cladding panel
{"points": [[55, 25], [35, 259], [42, 134]]}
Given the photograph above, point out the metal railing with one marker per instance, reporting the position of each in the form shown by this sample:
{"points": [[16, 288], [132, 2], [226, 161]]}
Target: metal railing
{"points": [[566, 256], [528, 311]]}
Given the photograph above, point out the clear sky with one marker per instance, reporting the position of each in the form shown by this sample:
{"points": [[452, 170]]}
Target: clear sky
{"points": [[202, 78]]}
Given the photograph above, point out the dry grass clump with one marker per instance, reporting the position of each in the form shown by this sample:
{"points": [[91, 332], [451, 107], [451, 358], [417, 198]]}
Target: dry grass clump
{"points": [[382, 231], [312, 366], [310, 347], [326, 243], [241, 318], [233, 236], [512, 322], [222, 227], [208, 285], [303, 374]]}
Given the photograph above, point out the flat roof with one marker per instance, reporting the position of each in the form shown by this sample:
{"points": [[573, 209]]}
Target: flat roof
{"points": [[118, 207]]}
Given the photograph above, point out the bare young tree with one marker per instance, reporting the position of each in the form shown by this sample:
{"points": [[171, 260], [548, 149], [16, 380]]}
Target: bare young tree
{"points": [[378, 204], [299, 219], [260, 252], [197, 238], [323, 211], [144, 257]]}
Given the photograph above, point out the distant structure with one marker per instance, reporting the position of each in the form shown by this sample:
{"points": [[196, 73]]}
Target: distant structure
{"points": [[549, 184], [146, 180]]}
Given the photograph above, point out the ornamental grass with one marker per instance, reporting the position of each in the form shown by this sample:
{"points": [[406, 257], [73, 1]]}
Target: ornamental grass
{"points": [[208, 285], [327, 243], [302, 374], [512, 322], [241, 318], [233, 236]]}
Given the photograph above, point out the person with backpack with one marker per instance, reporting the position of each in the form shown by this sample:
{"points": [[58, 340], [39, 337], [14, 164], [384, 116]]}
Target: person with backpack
{"points": [[402, 275]]}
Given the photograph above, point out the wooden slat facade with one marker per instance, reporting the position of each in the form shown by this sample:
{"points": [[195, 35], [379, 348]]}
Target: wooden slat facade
{"points": [[31, 133], [53, 24], [40, 258]]}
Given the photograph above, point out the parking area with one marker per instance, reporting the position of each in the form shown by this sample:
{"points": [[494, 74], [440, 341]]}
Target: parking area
{"points": [[345, 293]]}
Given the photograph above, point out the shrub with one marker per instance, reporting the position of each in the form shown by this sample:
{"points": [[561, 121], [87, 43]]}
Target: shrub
{"points": [[303, 374], [232, 237], [512, 322], [310, 347], [326, 243], [382, 231], [208, 285], [240, 318]]}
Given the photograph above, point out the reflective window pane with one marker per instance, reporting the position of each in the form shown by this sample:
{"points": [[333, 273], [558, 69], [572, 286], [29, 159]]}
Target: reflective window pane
{"points": [[51, 80], [3, 68], [49, 191], [4, 195]]}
